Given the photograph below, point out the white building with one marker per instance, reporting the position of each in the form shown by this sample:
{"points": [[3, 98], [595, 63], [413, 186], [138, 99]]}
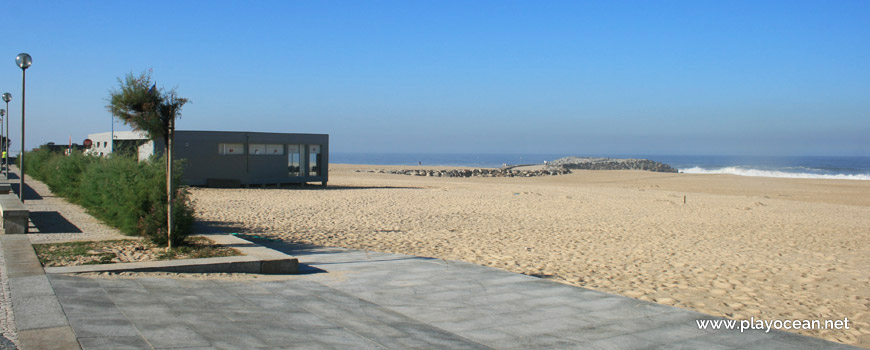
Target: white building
{"points": [[104, 143]]}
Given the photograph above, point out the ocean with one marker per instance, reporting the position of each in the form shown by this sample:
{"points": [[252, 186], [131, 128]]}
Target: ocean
{"points": [[846, 168]]}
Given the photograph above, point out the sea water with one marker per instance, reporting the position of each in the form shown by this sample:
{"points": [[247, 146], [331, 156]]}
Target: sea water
{"points": [[847, 168]]}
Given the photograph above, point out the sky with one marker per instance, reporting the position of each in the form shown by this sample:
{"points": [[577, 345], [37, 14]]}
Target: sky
{"points": [[584, 77]]}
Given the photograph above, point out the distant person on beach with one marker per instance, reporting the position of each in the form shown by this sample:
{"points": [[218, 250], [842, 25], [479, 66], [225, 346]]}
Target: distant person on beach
{"points": [[420, 163]]}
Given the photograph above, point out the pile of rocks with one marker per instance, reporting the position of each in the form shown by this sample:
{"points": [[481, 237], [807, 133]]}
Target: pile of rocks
{"points": [[485, 172], [590, 163], [556, 167]]}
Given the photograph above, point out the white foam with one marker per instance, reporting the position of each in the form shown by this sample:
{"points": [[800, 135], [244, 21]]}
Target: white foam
{"points": [[772, 173]]}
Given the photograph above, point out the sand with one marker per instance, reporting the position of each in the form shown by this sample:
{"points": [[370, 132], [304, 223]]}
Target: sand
{"points": [[739, 247]]}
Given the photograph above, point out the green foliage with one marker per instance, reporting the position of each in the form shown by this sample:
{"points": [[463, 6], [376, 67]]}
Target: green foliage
{"points": [[127, 148], [197, 247], [120, 191], [139, 103]]}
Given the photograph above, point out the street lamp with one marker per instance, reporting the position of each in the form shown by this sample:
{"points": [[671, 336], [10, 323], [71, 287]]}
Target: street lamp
{"points": [[2, 116], [23, 60], [6, 98]]}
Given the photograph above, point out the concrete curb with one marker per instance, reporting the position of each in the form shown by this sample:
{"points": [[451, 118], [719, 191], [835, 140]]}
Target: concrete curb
{"points": [[39, 317], [40, 320], [256, 259]]}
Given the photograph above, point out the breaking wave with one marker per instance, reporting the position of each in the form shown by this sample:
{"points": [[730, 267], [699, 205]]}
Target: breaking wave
{"points": [[735, 170]]}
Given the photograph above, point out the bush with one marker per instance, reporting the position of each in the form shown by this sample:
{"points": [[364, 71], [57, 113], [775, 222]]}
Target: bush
{"points": [[120, 191]]}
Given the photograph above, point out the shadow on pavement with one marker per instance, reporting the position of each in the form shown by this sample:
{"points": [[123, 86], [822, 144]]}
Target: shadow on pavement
{"points": [[294, 249], [216, 227], [52, 222], [29, 193], [305, 269], [315, 187]]}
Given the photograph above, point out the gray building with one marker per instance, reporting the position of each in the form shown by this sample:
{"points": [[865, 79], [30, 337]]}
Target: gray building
{"points": [[231, 159]]}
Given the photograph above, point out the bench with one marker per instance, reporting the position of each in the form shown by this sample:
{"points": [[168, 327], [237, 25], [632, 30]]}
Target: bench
{"points": [[5, 188], [15, 214]]}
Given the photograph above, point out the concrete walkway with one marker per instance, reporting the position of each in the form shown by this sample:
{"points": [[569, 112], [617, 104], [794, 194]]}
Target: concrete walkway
{"points": [[349, 299], [358, 300]]}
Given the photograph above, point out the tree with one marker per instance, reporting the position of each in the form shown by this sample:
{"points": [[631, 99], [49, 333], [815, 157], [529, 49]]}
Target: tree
{"points": [[138, 103]]}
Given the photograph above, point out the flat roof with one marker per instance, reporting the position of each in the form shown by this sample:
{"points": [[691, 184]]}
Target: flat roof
{"points": [[120, 135], [139, 135]]}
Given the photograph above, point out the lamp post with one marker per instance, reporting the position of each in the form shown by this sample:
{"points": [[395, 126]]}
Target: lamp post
{"points": [[2, 149], [23, 60], [6, 98]]}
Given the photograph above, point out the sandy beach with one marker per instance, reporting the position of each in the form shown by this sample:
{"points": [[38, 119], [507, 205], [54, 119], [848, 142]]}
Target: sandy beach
{"points": [[739, 247]]}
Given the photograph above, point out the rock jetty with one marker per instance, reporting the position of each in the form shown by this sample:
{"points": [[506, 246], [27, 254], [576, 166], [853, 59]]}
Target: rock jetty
{"points": [[591, 163], [484, 172]]}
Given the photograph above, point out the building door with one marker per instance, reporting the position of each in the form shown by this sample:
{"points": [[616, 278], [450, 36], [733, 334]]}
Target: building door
{"points": [[294, 160], [314, 160]]}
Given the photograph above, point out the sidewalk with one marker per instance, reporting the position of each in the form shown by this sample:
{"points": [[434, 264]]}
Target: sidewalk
{"points": [[52, 218], [358, 300], [347, 299]]}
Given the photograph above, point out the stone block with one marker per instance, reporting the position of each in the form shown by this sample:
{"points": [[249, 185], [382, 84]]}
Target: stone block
{"points": [[279, 266]]}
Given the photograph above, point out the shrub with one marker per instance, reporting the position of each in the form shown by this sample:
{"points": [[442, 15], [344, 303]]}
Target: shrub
{"points": [[120, 191]]}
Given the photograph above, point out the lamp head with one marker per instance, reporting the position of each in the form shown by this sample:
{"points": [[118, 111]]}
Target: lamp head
{"points": [[2, 114], [23, 60], [7, 97]]}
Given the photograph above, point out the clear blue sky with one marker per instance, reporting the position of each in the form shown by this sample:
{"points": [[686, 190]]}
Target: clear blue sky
{"points": [[603, 77]]}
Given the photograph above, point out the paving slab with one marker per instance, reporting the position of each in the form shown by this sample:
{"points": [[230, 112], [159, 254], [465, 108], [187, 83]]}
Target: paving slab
{"points": [[59, 338], [420, 303], [39, 317]]}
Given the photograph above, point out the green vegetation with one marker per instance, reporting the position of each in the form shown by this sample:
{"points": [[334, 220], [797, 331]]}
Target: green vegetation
{"points": [[195, 248], [55, 254], [120, 191], [139, 103], [128, 250]]}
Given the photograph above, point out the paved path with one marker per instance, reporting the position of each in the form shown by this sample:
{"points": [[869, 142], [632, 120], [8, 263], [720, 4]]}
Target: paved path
{"points": [[358, 300], [53, 218]]}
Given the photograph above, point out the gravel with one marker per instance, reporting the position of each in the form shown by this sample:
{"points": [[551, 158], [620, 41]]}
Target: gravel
{"points": [[57, 220], [8, 331]]}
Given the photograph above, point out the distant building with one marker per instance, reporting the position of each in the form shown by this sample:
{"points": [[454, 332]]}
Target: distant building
{"points": [[232, 159], [66, 149], [103, 144]]}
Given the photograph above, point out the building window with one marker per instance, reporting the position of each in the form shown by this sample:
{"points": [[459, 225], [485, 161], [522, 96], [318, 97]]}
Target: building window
{"points": [[225, 149], [257, 149], [266, 149], [275, 150]]}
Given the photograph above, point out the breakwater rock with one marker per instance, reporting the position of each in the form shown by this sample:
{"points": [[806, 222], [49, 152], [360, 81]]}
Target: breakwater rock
{"points": [[484, 172], [591, 163]]}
